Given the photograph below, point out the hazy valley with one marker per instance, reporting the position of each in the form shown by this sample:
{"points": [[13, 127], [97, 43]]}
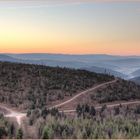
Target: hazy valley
{"points": [[126, 67]]}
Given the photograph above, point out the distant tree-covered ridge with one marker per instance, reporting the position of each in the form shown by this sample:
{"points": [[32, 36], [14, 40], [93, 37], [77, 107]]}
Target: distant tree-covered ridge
{"points": [[24, 85]]}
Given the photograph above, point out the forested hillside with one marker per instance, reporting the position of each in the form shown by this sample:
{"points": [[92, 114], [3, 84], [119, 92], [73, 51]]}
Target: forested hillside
{"points": [[120, 91], [34, 86]]}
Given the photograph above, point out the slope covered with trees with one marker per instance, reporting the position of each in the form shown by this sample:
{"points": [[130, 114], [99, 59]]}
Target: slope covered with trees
{"points": [[35, 86], [120, 91]]}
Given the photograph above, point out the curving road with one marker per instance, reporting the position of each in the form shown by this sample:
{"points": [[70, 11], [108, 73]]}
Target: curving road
{"points": [[108, 106], [19, 116], [81, 93]]}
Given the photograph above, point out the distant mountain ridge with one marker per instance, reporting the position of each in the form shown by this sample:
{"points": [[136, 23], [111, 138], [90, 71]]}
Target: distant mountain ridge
{"points": [[106, 71], [126, 67], [136, 80], [4, 57], [136, 73]]}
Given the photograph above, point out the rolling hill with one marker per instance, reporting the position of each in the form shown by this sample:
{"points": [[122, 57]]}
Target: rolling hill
{"points": [[31, 86], [136, 80], [105, 71], [34, 88], [136, 73]]}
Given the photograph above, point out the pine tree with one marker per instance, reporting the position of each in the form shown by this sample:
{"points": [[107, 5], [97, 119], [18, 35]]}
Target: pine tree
{"points": [[19, 134], [47, 133], [92, 111]]}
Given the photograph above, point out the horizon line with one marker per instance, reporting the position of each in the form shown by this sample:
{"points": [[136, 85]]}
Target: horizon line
{"points": [[133, 55]]}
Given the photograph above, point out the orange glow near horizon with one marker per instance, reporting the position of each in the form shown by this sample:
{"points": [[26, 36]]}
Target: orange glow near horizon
{"points": [[97, 48], [95, 28]]}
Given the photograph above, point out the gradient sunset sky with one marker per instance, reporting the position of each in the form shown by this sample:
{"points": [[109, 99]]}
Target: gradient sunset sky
{"points": [[70, 26]]}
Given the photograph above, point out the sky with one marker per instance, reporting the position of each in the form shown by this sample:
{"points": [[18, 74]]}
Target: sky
{"points": [[70, 26]]}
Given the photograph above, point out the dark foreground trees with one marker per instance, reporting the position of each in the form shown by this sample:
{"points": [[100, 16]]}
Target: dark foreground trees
{"points": [[85, 109], [85, 128], [7, 130], [19, 134], [89, 123]]}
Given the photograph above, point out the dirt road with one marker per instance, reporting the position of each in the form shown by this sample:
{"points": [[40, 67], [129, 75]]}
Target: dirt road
{"points": [[19, 116], [81, 93], [13, 114], [108, 106]]}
